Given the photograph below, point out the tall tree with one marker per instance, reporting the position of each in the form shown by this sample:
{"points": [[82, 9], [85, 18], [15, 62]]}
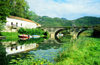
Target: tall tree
{"points": [[4, 10], [19, 8]]}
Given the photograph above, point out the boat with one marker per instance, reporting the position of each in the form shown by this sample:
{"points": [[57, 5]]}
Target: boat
{"points": [[36, 36], [24, 36]]}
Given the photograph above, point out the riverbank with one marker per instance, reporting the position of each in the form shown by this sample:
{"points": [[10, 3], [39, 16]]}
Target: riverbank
{"points": [[2, 37], [83, 51], [10, 35], [13, 36]]}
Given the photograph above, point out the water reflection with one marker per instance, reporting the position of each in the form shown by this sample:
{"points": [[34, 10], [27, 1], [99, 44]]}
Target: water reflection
{"points": [[3, 59], [39, 47]]}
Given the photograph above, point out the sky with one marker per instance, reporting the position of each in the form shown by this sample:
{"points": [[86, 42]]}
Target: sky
{"points": [[69, 9]]}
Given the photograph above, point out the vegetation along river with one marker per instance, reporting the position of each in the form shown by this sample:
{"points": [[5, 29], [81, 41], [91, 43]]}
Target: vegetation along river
{"points": [[37, 48]]}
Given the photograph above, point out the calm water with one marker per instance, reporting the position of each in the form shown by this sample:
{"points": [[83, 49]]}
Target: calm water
{"points": [[39, 47]]}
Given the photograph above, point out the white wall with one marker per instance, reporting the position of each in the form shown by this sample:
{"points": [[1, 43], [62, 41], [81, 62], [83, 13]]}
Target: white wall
{"points": [[20, 48], [25, 24]]}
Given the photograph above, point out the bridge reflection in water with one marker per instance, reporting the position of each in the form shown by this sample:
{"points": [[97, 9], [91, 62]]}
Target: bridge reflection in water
{"points": [[29, 47]]}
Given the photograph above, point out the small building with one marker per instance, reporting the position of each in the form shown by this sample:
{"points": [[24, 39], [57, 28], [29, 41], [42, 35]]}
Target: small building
{"points": [[13, 47], [17, 22]]}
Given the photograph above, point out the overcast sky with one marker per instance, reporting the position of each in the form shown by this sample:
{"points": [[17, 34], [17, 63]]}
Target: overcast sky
{"points": [[69, 9]]}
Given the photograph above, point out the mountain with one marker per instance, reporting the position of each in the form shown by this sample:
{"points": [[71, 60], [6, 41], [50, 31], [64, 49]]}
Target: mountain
{"points": [[46, 21], [87, 21], [64, 18]]}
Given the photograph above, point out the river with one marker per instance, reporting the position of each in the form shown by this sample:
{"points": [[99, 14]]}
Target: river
{"points": [[38, 47]]}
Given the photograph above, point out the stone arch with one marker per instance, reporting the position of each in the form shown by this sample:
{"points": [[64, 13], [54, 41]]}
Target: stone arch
{"points": [[80, 33], [57, 33]]}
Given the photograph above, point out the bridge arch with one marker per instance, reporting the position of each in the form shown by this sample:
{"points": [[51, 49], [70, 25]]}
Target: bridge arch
{"points": [[57, 31], [82, 32]]}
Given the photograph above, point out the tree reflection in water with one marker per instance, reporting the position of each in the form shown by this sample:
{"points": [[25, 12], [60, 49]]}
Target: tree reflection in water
{"points": [[49, 49], [3, 58]]}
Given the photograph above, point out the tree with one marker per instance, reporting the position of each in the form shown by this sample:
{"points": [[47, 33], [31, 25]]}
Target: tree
{"points": [[19, 8], [4, 10], [1, 26]]}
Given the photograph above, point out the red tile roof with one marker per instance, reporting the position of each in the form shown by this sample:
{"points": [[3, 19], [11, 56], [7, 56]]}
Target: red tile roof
{"points": [[15, 17]]}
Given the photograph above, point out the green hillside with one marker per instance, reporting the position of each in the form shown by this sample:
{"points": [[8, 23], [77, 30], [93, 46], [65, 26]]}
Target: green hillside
{"points": [[46, 21], [87, 21]]}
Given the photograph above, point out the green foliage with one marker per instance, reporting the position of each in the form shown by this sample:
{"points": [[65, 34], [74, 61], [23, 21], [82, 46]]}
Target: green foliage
{"points": [[87, 21], [4, 10], [68, 27], [51, 22], [46, 21], [37, 40], [29, 60], [10, 35], [83, 51], [20, 8], [3, 59], [96, 31], [46, 34], [35, 31], [1, 26]]}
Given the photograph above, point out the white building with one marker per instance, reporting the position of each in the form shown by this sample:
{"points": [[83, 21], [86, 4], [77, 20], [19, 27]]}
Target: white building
{"points": [[12, 47], [20, 22], [20, 48]]}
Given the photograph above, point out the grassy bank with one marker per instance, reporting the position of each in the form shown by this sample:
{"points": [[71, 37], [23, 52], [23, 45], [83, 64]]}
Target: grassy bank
{"points": [[10, 35], [83, 51]]}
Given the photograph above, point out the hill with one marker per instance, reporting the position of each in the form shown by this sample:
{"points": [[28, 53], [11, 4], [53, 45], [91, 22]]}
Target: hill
{"points": [[87, 21], [46, 21]]}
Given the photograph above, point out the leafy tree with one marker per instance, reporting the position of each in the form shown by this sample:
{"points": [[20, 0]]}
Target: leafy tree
{"points": [[20, 8], [96, 31], [1, 26], [4, 10]]}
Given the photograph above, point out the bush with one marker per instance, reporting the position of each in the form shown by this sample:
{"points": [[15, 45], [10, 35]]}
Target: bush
{"points": [[96, 31], [68, 27], [32, 31]]}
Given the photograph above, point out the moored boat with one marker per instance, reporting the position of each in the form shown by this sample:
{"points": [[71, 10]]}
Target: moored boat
{"points": [[23, 36], [36, 36]]}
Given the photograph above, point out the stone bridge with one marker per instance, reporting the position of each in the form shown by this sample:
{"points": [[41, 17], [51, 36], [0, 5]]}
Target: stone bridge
{"points": [[74, 31]]}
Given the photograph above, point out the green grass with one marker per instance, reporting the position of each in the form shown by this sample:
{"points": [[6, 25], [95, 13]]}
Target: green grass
{"points": [[10, 35], [82, 51]]}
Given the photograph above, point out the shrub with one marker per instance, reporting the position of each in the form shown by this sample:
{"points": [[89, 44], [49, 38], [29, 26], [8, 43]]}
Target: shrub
{"points": [[32, 31], [96, 31], [68, 27]]}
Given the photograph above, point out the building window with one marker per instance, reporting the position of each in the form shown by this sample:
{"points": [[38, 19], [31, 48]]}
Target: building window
{"points": [[11, 23], [16, 48], [21, 24], [21, 47], [16, 24], [11, 48]]}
